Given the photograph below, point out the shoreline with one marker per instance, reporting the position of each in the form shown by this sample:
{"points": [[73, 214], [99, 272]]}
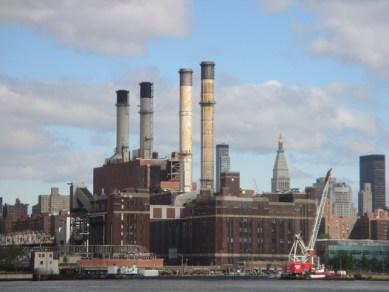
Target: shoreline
{"points": [[30, 277]]}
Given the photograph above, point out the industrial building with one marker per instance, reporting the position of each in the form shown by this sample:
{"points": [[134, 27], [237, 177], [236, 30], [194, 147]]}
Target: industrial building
{"points": [[143, 171], [222, 163], [119, 210], [150, 202], [231, 227], [120, 218]]}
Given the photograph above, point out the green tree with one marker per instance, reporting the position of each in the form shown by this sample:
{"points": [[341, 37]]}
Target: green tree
{"points": [[324, 236], [9, 257]]}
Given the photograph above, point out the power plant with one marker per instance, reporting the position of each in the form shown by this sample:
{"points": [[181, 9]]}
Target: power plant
{"points": [[147, 205], [185, 130], [145, 210], [146, 120], [207, 126]]}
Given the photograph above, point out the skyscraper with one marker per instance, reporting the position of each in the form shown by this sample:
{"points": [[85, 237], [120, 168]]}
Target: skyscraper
{"points": [[365, 204], [372, 170], [280, 181], [222, 162], [342, 200], [340, 196]]}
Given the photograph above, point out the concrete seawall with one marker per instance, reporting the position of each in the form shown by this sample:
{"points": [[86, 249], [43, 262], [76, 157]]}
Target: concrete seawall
{"points": [[16, 277]]}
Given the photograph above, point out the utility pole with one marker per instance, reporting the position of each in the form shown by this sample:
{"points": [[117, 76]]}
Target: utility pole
{"points": [[182, 264]]}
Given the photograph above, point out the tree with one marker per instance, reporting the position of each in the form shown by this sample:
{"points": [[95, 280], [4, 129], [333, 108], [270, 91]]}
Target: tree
{"points": [[324, 236], [9, 257]]}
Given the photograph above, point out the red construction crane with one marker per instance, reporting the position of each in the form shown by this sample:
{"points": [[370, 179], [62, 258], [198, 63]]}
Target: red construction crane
{"points": [[303, 259]]}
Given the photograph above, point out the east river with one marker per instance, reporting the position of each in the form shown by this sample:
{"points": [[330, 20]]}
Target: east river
{"points": [[194, 285]]}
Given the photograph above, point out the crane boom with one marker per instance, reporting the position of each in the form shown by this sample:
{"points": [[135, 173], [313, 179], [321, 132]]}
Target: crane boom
{"points": [[319, 212], [302, 258]]}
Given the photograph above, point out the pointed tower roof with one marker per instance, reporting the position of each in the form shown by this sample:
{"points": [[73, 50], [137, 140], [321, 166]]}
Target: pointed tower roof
{"points": [[280, 168], [280, 181]]}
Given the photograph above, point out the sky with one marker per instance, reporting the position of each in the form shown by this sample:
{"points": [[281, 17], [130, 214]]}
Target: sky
{"points": [[314, 71]]}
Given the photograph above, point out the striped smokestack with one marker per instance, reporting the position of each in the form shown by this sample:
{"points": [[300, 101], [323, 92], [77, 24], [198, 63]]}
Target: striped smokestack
{"points": [[207, 126]]}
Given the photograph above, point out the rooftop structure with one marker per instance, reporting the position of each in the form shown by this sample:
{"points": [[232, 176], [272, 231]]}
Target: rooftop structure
{"points": [[280, 181], [222, 162]]}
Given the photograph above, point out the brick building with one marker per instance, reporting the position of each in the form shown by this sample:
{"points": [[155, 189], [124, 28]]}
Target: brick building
{"points": [[374, 226], [120, 219], [140, 173], [150, 174], [231, 228], [11, 214], [337, 227], [16, 211]]}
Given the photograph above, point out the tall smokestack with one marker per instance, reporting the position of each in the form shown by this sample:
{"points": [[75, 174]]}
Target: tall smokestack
{"points": [[122, 125], [146, 120], [185, 130], [207, 119]]}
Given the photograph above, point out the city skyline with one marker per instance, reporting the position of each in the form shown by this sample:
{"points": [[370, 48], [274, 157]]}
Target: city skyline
{"points": [[326, 94]]}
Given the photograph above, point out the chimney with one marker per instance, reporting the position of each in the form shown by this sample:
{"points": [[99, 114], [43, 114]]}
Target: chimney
{"points": [[146, 120], [207, 119], [122, 125], [185, 130]]}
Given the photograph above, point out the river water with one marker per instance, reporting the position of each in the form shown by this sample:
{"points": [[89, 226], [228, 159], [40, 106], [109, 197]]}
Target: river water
{"points": [[194, 285]]}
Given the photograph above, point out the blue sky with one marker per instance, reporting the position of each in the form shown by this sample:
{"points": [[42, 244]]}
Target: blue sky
{"points": [[300, 68]]}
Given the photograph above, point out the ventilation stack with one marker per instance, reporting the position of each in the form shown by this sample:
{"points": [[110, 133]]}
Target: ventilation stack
{"points": [[122, 126], [185, 130], [207, 104], [146, 120]]}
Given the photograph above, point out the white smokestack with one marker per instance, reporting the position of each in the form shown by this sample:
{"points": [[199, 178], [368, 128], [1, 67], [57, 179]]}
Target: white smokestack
{"points": [[146, 120], [122, 125], [186, 130]]}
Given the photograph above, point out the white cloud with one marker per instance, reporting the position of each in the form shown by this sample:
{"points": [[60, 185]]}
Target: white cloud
{"points": [[353, 31], [69, 104], [28, 150], [315, 124], [115, 27], [355, 92], [275, 6], [251, 116]]}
